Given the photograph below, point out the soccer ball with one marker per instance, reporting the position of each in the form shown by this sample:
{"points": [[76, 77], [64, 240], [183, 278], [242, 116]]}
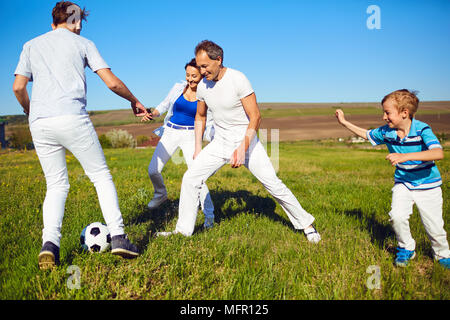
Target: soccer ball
{"points": [[95, 237]]}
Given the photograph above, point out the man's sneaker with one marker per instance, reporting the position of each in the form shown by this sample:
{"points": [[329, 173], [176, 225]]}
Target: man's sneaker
{"points": [[156, 202], [209, 222], [166, 233], [311, 234], [445, 262], [49, 256], [403, 257], [121, 246]]}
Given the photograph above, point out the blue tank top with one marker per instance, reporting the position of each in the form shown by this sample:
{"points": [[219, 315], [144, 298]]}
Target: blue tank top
{"points": [[184, 112]]}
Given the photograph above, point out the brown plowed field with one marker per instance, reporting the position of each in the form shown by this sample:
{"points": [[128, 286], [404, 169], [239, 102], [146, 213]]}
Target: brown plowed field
{"points": [[291, 128], [316, 127], [322, 127]]}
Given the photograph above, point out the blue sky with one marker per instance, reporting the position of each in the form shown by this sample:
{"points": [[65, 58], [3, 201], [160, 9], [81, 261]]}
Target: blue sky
{"points": [[291, 50]]}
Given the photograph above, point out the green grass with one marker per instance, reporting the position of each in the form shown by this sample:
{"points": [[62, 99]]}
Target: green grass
{"points": [[251, 253]]}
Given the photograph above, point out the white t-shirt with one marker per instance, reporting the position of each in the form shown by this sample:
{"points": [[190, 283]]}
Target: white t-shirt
{"points": [[55, 62], [223, 98]]}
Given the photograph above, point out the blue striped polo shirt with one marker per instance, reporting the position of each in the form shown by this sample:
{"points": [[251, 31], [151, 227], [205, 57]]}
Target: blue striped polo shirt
{"points": [[415, 175]]}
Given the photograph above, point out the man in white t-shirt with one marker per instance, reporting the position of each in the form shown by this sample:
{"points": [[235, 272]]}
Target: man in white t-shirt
{"points": [[229, 96]]}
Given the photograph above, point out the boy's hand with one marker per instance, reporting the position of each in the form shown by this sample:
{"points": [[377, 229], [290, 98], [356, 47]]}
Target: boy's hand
{"points": [[340, 116], [360, 132], [396, 158]]}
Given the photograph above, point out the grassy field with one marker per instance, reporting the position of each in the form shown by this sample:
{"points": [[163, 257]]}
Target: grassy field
{"points": [[251, 253]]}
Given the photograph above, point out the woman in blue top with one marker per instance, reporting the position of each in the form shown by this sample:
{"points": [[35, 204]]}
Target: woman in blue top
{"points": [[178, 132]]}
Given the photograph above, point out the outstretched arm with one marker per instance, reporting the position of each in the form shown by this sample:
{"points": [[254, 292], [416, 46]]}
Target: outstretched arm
{"points": [[119, 88], [21, 93], [361, 132]]}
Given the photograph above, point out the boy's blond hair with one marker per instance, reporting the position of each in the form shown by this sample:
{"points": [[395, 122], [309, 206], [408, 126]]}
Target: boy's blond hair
{"points": [[404, 99]]}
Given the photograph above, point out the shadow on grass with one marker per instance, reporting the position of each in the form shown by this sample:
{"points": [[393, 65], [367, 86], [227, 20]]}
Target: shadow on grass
{"points": [[158, 219], [227, 204], [379, 232]]}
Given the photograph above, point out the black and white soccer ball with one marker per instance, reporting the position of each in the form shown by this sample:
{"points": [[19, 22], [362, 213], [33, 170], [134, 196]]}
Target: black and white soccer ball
{"points": [[95, 237]]}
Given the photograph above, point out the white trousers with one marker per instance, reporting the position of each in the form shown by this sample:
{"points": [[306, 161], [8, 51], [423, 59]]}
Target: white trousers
{"points": [[171, 140], [429, 203], [212, 158], [51, 138]]}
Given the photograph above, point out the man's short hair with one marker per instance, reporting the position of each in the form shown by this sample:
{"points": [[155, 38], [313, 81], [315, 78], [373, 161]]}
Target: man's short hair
{"points": [[213, 50], [64, 10], [404, 99]]}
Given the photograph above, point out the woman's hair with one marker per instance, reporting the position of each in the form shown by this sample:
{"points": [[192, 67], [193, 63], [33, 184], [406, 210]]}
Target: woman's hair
{"points": [[404, 99], [192, 63], [64, 10]]}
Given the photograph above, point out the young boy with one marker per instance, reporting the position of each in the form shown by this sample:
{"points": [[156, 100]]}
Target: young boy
{"points": [[413, 149]]}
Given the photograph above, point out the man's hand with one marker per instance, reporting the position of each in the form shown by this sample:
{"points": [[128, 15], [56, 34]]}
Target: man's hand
{"points": [[138, 109], [196, 152], [396, 158], [20, 91], [238, 157]]}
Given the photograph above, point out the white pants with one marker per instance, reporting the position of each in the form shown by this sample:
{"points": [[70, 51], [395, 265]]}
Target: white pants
{"points": [[429, 203], [51, 138], [171, 140], [212, 158]]}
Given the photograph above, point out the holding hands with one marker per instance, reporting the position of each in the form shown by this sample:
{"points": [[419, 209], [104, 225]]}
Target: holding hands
{"points": [[138, 109]]}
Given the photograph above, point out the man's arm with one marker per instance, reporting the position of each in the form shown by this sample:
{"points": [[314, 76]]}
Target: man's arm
{"points": [[21, 93], [200, 124], [361, 132], [119, 88], [252, 110]]}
